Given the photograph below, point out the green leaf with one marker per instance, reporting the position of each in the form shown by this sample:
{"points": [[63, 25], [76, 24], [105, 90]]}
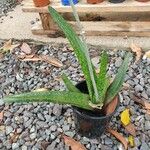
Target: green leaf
{"points": [[102, 80], [77, 45], [69, 84], [116, 85], [62, 97]]}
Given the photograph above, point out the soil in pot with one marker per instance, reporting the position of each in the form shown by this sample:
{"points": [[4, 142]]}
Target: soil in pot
{"points": [[41, 3], [116, 1], [94, 1], [91, 124]]}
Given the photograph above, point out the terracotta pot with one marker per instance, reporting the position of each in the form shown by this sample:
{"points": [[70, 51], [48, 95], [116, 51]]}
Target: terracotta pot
{"points": [[94, 1], [41, 3], [143, 0]]}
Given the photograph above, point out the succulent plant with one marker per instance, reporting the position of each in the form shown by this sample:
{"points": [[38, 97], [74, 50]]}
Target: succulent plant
{"points": [[101, 90]]}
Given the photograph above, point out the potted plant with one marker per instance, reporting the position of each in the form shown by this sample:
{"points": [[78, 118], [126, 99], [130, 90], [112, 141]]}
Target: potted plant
{"points": [[67, 3], [41, 3], [116, 1], [94, 100], [94, 1]]}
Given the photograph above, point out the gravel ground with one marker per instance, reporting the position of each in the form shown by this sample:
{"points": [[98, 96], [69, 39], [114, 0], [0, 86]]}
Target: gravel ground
{"points": [[39, 125], [7, 5]]}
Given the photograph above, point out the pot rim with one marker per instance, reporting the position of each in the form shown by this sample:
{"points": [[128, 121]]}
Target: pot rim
{"points": [[76, 109]]}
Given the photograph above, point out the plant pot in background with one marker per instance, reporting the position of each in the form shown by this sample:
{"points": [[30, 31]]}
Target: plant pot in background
{"points": [[143, 1], [41, 3], [88, 123], [116, 1], [66, 2], [94, 1]]}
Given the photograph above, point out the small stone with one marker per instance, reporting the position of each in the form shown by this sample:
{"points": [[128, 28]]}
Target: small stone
{"points": [[60, 130], [33, 136], [66, 127], [32, 129], [69, 133], [147, 117], [108, 141], [88, 146], [95, 61], [143, 94], [9, 129], [137, 142], [28, 123], [42, 124], [57, 110], [15, 146], [138, 88], [51, 146], [53, 128], [147, 125], [1, 102], [19, 77], [19, 130], [118, 62], [48, 118], [144, 146], [52, 136], [40, 116], [86, 139], [24, 147]]}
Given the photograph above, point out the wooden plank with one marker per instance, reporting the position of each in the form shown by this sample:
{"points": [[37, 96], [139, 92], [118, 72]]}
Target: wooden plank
{"points": [[47, 21], [126, 6], [106, 28]]}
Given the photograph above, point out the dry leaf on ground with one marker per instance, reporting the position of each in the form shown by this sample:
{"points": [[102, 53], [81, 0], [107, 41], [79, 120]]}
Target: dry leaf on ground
{"points": [[140, 101], [146, 55], [1, 116], [119, 137], [44, 145], [131, 129], [14, 137], [1, 55], [31, 58], [8, 46], [125, 120], [125, 117], [136, 49], [73, 144], [148, 111], [25, 48], [131, 141], [110, 107], [55, 62]]}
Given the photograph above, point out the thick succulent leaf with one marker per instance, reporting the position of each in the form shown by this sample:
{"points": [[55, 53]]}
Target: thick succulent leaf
{"points": [[62, 97], [77, 45], [69, 84], [102, 80], [116, 85]]}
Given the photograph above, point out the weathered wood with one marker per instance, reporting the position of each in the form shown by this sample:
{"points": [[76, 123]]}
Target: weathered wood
{"points": [[106, 28], [47, 21], [127, 6], [95, 26]]}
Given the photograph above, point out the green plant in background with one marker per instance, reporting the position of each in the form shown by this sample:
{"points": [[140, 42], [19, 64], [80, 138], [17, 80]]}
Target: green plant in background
{"points": [[101, 91]]}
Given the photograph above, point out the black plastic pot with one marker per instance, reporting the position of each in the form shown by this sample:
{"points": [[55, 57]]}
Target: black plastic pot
{"points": [[88, 123], [116, 1]]}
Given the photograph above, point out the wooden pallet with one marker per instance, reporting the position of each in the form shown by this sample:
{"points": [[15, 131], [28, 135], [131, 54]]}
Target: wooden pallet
{"points": [[93, 27]]}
